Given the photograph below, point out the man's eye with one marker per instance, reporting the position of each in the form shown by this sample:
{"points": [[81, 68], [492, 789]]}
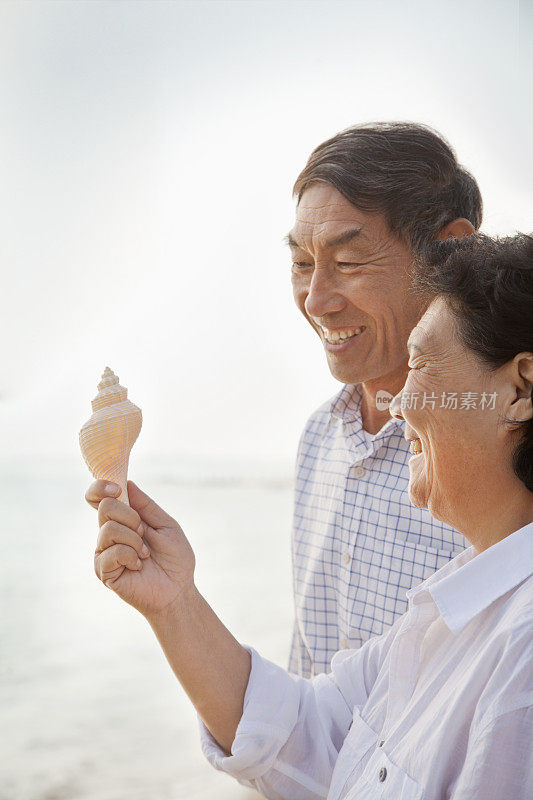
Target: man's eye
{"points": [[348, 264], [300, 264]]}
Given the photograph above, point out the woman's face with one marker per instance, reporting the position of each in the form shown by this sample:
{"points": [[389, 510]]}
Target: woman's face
{"points": [[452, 405]]}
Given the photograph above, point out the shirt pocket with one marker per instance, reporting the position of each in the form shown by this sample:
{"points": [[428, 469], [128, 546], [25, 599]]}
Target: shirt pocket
{"points": [[400, 523], [418, 551], [358, 743], [420, 546], [384, 780]]}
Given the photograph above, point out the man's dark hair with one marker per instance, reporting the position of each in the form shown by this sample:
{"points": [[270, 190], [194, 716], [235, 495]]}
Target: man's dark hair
{"points": [[404, 170], [488, 285]]}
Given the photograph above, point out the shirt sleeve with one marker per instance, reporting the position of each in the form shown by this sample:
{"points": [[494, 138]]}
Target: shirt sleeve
{"points": [[500, 761], [292, 728]]}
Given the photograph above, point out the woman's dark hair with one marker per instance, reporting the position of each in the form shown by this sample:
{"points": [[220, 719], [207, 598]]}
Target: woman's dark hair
{"points": [[488, 285], [404, 170]]}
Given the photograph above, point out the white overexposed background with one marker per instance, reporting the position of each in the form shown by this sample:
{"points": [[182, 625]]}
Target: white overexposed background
{"points": [[148, 150], [147, 155]]}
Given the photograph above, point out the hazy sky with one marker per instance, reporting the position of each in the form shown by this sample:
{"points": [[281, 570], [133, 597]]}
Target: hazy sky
{"points": [[148, 150]]}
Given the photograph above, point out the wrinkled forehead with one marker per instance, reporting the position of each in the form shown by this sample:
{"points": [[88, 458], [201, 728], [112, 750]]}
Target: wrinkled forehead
{"points": [[315, 214], [322, 204], [323, 213], [436, 327]]}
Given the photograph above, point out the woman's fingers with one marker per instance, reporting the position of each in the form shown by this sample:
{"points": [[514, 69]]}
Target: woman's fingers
{"points": [[113, 532], [141, 508], [150, 512], [109, 564], [100, 489], [111, 509]]}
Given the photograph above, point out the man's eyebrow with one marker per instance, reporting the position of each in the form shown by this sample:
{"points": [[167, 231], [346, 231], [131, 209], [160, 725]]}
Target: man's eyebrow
{"points": [[335, 241], [344, 238]]}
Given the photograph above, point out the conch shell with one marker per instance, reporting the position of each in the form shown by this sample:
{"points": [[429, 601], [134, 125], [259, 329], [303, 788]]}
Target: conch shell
{"points": [[107, 437]]}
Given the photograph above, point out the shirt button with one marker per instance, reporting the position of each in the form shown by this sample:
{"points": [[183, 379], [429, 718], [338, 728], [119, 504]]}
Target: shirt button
{"points": [[346, 558], [382, 774], [344, 644], [359, 472]]}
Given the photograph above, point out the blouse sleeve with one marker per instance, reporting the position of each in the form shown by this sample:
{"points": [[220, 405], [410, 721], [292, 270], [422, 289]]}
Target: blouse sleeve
{"points": [[292, 728]]}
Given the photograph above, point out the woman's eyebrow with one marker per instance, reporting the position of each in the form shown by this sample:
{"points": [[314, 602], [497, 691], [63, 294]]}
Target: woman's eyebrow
{"points": [[289, 240], [414, 347]]}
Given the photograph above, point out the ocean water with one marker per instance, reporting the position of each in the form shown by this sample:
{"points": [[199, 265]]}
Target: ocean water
{"points": [[89, 708]]}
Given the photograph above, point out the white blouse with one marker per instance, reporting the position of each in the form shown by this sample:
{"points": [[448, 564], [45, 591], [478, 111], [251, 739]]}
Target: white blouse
{"points": [[439, 707]]}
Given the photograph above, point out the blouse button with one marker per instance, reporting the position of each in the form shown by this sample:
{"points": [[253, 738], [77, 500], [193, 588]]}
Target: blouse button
{"points": [[382, 774]]}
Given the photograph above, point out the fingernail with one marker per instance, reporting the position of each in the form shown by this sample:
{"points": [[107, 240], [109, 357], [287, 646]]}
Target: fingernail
{"points": [[145, 551], [140, 529], [110, 489], [138, 564]]}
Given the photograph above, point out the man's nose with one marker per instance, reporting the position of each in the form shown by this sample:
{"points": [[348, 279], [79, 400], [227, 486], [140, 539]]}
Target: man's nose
{"points": [[323, 297], [395, 408]]}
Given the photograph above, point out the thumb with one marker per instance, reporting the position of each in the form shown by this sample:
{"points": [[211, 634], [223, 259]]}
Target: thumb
{"points": [[147, 509]]}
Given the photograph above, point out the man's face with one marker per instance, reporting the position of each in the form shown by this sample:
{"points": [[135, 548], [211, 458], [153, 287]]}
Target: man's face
{"points": [[351, 280]]}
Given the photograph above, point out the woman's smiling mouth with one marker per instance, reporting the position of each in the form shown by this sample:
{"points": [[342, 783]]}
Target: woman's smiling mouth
{"points": [[415, 447]]}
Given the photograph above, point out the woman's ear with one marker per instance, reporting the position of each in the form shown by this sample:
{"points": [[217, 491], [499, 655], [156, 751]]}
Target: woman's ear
{"points": [[458, 228], [521, 408]]}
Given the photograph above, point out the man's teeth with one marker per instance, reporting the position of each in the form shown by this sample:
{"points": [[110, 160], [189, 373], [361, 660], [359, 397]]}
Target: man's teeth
{"points": [[415, 447], [333, 337]]}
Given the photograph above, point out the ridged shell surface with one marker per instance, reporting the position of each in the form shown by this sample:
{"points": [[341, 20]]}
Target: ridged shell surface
{"points": [[107, 437]]}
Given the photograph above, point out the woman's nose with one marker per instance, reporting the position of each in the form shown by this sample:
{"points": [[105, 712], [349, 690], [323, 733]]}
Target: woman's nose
{"points": [[322, 297], [395, 407]]}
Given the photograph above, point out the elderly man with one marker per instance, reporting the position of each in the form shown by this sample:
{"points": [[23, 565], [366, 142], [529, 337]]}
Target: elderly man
{"points": [[368, 200]]}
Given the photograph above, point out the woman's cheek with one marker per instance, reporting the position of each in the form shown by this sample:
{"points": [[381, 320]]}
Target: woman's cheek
{"points": [[412, 395], [418, 486]]}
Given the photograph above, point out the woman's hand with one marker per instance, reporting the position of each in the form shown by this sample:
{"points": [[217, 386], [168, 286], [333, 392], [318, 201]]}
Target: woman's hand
{"points": [[142, 553], [209, 662]]}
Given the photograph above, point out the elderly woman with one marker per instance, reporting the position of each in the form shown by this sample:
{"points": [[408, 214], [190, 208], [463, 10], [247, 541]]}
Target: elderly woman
{"points": [[439, 706]]}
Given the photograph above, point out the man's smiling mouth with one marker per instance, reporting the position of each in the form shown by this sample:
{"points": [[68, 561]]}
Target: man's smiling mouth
{"points": [[340, 335]]}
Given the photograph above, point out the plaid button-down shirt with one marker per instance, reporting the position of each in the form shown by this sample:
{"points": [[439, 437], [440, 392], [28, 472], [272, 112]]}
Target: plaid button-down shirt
{"points": [[358, 543]]}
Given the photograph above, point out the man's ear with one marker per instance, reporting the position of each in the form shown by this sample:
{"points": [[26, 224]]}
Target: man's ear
{"points": [[521, 407], [458, 228]]}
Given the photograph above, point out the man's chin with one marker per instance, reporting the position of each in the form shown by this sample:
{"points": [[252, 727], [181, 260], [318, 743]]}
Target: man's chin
{"points": [[346, 373]]}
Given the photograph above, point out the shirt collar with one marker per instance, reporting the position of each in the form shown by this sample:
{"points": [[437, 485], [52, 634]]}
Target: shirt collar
{"points": [[469, 583], [346, 406], [347, 403]]}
